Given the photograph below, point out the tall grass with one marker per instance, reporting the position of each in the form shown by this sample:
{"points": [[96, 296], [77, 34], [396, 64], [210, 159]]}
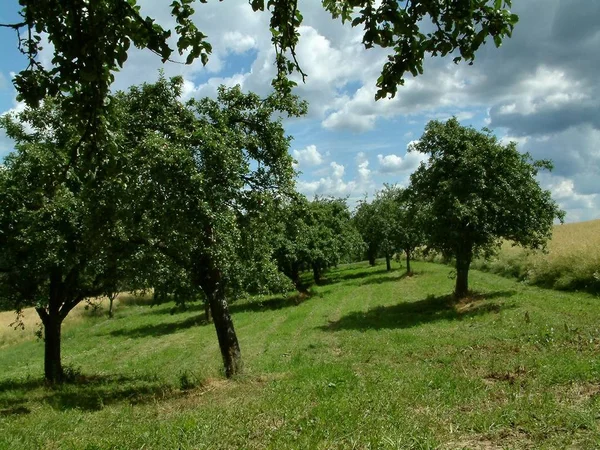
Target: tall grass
{"points": [[572, 260]]}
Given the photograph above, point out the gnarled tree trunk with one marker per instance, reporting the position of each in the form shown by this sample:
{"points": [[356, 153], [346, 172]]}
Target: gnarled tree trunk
{"points": [[408, 271], [388, 261], [228, 342], [463, 263], [53, 371], [207, 312], [316, 273]]}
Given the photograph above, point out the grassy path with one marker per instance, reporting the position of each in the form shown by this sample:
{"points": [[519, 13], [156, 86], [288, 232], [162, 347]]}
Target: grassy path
{"points": [[371, 360]]}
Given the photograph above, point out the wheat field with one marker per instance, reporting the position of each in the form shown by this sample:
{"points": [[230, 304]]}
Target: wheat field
{"points": [[571, 261]]}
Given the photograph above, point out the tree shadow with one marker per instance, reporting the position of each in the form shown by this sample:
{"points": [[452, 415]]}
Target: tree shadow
{"points": [[339, 276], [412, 314], [176, 309], [386, 278], [160, 329], [83, 393], [271, 304]]}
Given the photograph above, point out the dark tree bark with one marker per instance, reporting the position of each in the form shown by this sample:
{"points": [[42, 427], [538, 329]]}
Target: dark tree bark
{"points": [[228, 342], [388, 262], [111, 300], [214, 287], [408, 271], [316, 273], [53, 371], [372, 255], [463, 262], [207, 312]]}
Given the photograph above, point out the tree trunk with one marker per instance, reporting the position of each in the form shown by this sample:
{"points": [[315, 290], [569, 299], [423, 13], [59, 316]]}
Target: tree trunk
{"points": [[228, 343], [295, 276], [408, 262], [316, 273], [372, 255], [463, 262], [111, 299], [388, 262], [53, 371], [207, 312]]}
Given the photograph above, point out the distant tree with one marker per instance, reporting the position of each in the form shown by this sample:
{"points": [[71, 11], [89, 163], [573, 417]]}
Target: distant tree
{"points": [[365, 220], [332, 238], [386, 207], [410, 218], [476, 192], [59, 233], [90, 42], [315, 234]]}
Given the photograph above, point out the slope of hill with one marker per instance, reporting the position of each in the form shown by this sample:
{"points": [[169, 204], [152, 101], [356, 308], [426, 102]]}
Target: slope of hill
{"points": [[371, 360], [572, 261]]}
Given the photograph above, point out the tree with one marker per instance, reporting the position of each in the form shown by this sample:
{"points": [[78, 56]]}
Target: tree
{"points": [[58, 231], [409, 223], [90, 41], [195, 193], [475, 192], [365, 219], [314, 235]]}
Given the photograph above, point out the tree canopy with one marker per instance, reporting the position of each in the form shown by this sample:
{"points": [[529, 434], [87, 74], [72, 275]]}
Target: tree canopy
{"points": [[90, 41], [475, 191]]}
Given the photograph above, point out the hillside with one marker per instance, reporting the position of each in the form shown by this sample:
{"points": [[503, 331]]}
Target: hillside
{"points": [[370, 360], [572, 260]]}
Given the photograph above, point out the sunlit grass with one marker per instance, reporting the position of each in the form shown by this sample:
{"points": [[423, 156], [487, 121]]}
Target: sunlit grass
{"points": [[371, 360]]}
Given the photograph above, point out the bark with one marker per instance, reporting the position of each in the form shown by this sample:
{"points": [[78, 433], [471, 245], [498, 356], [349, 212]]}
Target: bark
{"points": [[372, 254], [408, 271], [371, 259], [53, 371], [388, 262], [463, 262], [228, 343], [111, 299], [295, 277], [316, 273], [207, 312]]}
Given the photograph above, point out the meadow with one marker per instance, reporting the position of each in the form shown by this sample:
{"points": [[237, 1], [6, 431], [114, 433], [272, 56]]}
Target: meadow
{"points": [[572, 260], [370, 359]]}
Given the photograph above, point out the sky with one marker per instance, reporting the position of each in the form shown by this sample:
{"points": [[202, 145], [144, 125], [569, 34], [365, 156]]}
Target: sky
{"points": [[540, 88]]}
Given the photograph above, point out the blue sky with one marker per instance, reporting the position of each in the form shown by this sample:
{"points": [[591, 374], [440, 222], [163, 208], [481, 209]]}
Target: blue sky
{"points": [[540, 89]]}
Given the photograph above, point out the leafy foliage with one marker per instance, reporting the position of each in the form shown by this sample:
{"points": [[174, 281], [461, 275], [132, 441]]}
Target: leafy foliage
{"points": [[59, 233], [315, 234], [91, 39], [476, 191]]}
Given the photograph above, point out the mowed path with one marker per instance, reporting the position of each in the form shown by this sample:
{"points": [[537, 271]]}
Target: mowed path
{"points": [[370, 360]]}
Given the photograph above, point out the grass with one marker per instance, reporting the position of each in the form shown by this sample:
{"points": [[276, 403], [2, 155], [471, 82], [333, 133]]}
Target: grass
{"points": [[371, 360], [571, 263]]}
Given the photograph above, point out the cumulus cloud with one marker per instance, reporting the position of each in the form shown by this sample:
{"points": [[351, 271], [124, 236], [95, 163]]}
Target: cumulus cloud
{"points": [[308, 156]]}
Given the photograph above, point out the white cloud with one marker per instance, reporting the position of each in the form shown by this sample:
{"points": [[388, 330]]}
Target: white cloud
{"points": [[397, 164], [308, 156], [238, 42]]}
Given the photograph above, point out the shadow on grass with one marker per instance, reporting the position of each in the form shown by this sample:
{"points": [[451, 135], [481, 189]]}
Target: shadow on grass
{"points": [[338, 276], [160, 329], [271, 304], [83, 393], [175, 309], [412, 314]]}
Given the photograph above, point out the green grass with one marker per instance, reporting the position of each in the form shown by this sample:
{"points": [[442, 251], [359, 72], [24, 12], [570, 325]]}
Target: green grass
{"points": [[371, 360]]}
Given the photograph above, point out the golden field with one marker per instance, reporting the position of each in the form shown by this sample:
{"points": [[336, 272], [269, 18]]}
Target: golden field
{"points": [[571, 261]]}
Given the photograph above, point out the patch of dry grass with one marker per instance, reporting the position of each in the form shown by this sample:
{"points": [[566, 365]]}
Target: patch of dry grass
{"points": [[572, 260], [12, 333]]}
